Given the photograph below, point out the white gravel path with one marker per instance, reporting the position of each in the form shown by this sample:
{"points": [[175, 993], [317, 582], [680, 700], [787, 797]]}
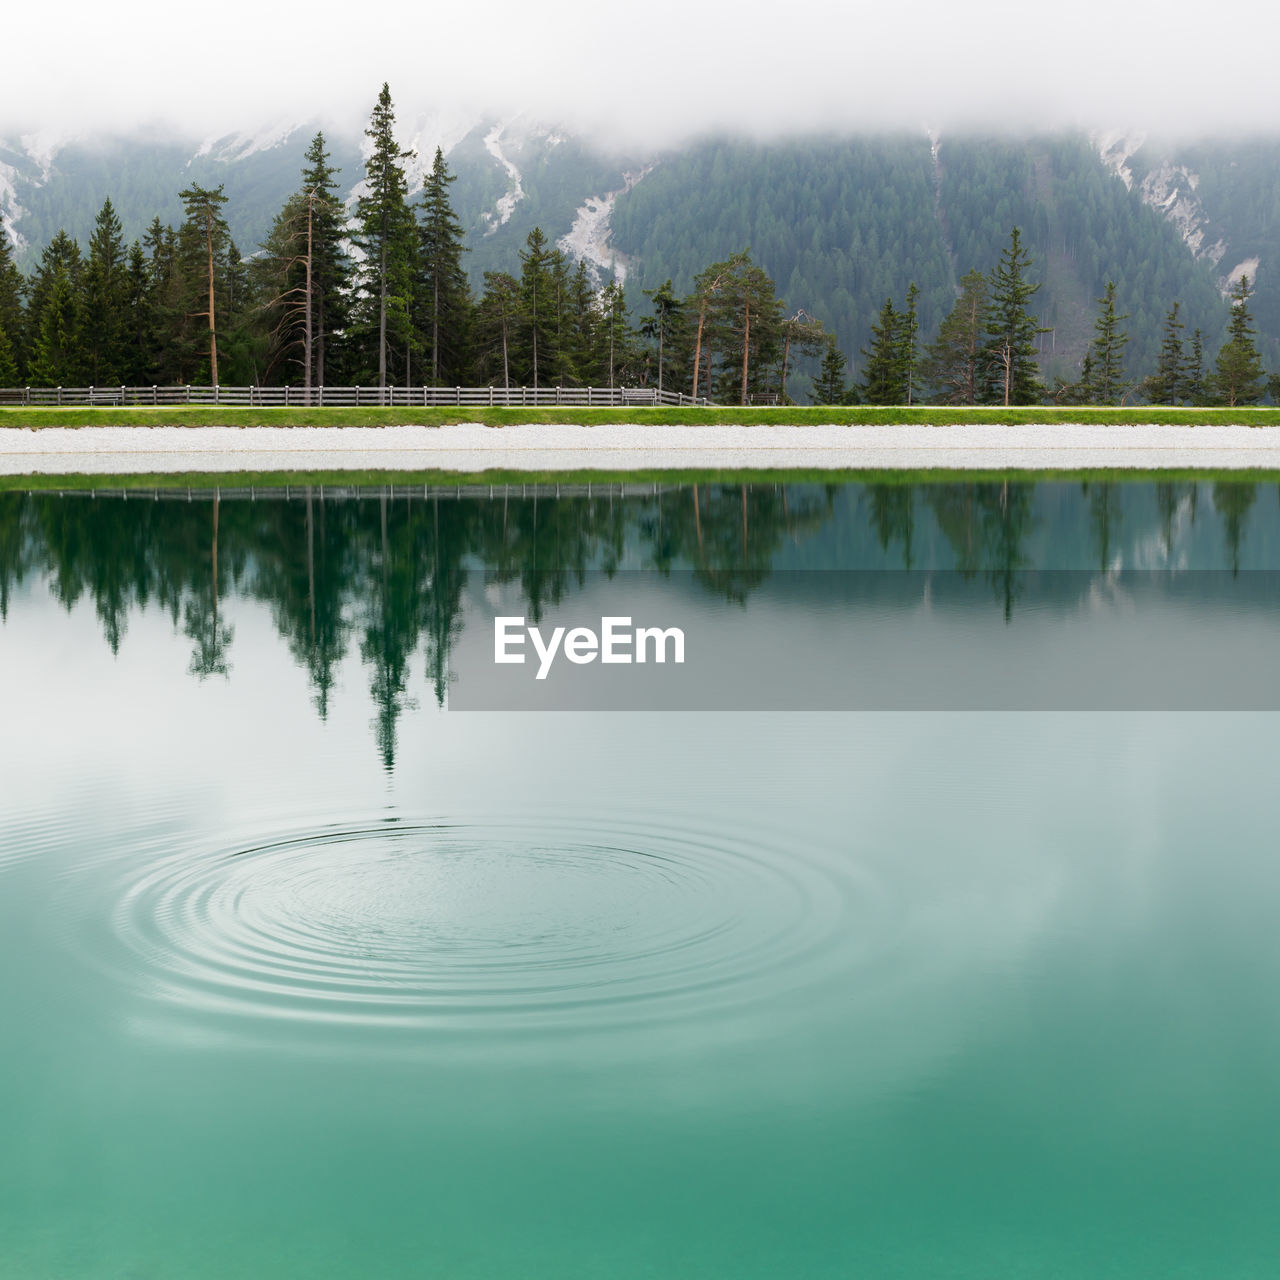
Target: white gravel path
{"points": [[620, 447]]}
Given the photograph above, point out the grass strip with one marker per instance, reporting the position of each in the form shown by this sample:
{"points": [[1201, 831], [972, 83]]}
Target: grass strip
{"points": [[796, 415], [240, 480]]}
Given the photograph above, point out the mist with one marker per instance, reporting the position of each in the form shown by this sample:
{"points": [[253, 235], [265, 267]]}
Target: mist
{"points": [[650, 76]]}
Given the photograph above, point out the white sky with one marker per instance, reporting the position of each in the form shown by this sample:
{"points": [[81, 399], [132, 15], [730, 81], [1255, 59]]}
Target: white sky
{"points": [[647, 71]]}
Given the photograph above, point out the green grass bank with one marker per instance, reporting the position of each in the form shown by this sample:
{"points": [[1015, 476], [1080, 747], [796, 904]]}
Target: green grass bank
{"points": [[798, 415], [299, 480]]}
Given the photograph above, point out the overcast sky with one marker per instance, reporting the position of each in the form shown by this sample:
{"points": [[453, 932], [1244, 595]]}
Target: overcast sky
{"points": [[649, 71]]}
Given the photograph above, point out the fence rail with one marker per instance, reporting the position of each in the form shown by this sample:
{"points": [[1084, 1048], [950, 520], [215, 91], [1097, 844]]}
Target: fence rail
{"points": [[351, 492], [347, 397]]}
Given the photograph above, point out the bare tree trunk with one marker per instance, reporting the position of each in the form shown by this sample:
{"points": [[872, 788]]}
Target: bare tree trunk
{"points": [[746, 348], [213, 336], [306, 332], [435, 330], [382, 314], [697, 346]]}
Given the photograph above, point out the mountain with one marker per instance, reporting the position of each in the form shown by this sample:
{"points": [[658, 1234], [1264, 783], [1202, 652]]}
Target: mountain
{"points": [[840, 222]]}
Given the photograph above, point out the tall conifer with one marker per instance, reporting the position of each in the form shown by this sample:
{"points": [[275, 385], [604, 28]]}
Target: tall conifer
{"points": [[385, 235], [444, 297]]}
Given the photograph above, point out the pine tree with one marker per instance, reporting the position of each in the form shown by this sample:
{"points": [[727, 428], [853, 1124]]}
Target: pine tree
{"points": [[330, 266], [1106, 382], [708, 285], [667, 311], [828, 387], [139, 356], [1168, 384], [206, 229], [1012, 374], [1193, 388], [55, 318], [954, 366], [11, 292], [56, 360], [882, 381], [1237, 376], [497, 321], [613, 335], [908, 335], [106, 287], [386, 236], [442, 282], [536, 340], [8, 361]]}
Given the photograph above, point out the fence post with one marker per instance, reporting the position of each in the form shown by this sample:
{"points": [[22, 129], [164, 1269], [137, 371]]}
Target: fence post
{"points": [[59, 395], [357, 397], [491, 395], [588, 397], [322, 395], [458, 391]]}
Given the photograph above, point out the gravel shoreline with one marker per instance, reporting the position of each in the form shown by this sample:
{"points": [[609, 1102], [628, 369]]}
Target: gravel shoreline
{"points": [[619, 447]]}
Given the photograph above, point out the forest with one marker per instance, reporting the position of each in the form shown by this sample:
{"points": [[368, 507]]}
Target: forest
{"points": [[378, 293]]}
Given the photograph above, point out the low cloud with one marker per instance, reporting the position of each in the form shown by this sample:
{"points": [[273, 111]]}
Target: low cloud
{"points": [[651, 75]]}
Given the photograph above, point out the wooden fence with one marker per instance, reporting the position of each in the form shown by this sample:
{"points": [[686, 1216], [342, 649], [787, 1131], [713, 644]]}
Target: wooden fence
{"points": [[347, 397]]}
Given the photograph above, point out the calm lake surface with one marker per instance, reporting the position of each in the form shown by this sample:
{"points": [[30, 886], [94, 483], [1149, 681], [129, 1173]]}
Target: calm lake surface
{"points": [[307, 972]]}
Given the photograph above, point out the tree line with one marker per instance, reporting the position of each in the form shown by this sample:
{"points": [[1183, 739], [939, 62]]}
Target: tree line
{"points": [[986, 352], [374, 295], [377, 294]]}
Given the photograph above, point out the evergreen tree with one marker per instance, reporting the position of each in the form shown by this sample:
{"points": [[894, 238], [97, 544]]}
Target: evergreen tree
{"points": [[882, 380], [11, 293], [1194, 388], [1106, 384], [803, 334], [666, 315], [828, 386], [955, 362], [442, 283], [613, 336], [330, 266], [106, 290], [57, 358], [497, 322], [1237, 376], [207, 241], [385, 234], [708, 285], [536, 338], [138, 361], [8, 361], [56, 316], [1168, 384], [908, 335], [1012, 374]]}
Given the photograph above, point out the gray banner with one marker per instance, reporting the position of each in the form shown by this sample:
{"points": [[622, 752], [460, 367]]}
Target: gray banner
{"points": [[801, 640]]}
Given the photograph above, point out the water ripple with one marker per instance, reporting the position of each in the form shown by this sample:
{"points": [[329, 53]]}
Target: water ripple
{"points": [[531, 926]]}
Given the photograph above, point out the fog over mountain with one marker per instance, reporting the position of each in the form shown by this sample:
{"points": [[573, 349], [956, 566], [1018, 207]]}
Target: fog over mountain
{"points": [[651, 76]]}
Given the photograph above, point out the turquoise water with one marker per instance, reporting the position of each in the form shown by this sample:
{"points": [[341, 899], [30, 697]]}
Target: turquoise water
{"points": [[401, 990]]}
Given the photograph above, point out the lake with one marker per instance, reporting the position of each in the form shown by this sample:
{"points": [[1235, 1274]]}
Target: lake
{"points": [[921, 924]]}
